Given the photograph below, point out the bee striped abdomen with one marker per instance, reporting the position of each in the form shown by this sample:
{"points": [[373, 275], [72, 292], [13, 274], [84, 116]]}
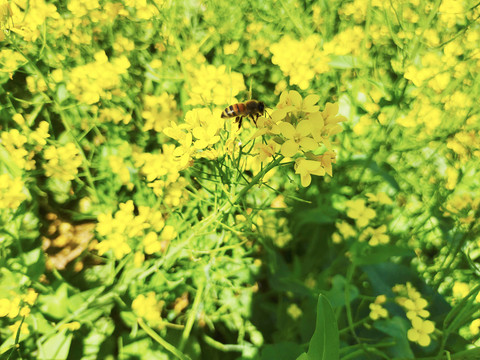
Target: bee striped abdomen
{"points": [[234, 110]]}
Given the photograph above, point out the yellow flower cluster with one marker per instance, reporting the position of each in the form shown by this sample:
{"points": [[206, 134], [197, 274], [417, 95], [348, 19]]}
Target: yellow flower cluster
{"points": [[162, 171], [299, 127], [466, 144], [10, 61], [144, 9], [463, 207], [213, 85], [377, 311], [18, 305], [413, 303], [359, 211], [126, 231], [149, 308], [341, 44], [274, 228], [5, 17], [97, 80], [28, 17], [115, 115], [11, 192], [452, 12], [159, 111], [422, 113], [301, 60], [119, 167], [15, 142], [62, 162], [197, 136]]}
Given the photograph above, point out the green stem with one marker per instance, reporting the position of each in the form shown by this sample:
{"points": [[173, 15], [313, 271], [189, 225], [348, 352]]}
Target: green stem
{"points": [[192, 315], [169, 347], [256, 179]]}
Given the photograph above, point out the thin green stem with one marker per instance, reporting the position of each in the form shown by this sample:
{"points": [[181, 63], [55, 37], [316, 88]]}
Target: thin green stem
{"points": [[192, 315], [169, 347]]}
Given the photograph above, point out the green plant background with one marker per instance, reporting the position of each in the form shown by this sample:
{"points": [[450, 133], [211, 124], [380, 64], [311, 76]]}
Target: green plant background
{"points": [[241, 254]]}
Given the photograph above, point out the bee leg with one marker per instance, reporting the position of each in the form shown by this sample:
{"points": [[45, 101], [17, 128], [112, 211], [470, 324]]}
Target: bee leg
{"points": [[254, 119], [239, 120]]}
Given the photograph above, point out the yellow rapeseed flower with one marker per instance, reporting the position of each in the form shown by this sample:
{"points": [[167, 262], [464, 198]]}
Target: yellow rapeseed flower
{"points": [[296, 138], [5, 305], [420, 331], [11, 192], [214, 85], [301, 60], [305, 168], [14, 328], [149, 308], [375, 236], [356, 209], [94, 81], [475, 327], [62, 162], [377, 311], [159, 111]]}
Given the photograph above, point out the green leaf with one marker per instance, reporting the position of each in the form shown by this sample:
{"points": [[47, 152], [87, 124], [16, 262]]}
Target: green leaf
{"points": [[345, 62], [325, 342], [397, 328], [56, 346], [35, 262], [55, 305], [281, 351], [378, 254], [336, 295]]}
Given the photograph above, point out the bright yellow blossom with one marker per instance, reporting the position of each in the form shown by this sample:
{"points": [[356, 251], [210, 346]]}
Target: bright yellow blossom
{"points": [[214, 85], [62, 162], [377, 311], [11, 192], [375, 236], [306, 168], [94, 81], [475, 327], [149, 308], [14, 328], [416, 307], [296, 138], [356, 209], [420, 331], [309, 59]]}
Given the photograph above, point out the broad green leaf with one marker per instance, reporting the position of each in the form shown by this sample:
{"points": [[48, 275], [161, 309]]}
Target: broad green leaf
{"points": [[281, 351], [55, 305], [336, 295], [397, 328], [56, 346], [325, 342], [379, 254]]}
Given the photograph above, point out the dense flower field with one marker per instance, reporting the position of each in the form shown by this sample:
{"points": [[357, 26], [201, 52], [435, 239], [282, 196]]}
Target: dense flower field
{"points": [[144, 215]]}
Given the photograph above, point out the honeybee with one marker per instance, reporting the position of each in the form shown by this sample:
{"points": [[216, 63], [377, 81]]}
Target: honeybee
{"points": [[251, 108]]}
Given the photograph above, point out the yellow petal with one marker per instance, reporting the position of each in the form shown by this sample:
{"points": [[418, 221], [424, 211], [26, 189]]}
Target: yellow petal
{"points": [[295, 98], [304, 127], [310, 100], [306, 179], [308, 144], [287, 129], [289, 148]]}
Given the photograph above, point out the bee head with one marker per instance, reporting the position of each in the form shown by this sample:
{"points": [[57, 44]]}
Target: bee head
{"points": [[261, 107]]}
